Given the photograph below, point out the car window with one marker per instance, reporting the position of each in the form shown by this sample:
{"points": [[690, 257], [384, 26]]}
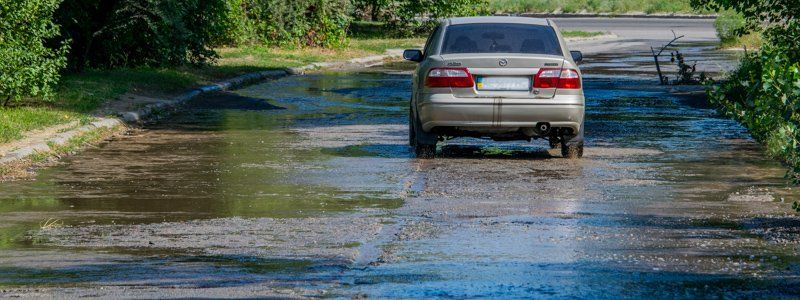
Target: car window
{"points": [[501, 38], [429, 44]]}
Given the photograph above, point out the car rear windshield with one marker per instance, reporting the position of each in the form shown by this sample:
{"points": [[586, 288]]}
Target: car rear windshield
{"points": [[501, 38]]}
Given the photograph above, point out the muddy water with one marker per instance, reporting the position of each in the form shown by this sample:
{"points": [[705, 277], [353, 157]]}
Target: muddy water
{"points": [[304, 186]]}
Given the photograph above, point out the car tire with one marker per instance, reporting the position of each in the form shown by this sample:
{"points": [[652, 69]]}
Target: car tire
{"points": [[425, 151], [572, 147], [423, 143], [573, 151], [412, 141]]}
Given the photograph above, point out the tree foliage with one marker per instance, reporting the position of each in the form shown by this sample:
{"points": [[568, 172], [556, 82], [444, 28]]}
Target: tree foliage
{"points": [[370, 10], [414, 16], [299, 22], [27, 66], [764, 95], [122, 33]]}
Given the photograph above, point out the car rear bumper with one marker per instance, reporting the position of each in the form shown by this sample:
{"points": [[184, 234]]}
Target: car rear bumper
{"points": [[491, 114]]}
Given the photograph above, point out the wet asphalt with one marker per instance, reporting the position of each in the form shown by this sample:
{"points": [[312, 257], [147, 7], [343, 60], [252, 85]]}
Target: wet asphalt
{"points": [[305, 187]]}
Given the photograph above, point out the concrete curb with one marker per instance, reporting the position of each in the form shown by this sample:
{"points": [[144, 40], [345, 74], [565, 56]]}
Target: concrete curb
{"points": [[153, 111], [147, 112], [61, 139]]}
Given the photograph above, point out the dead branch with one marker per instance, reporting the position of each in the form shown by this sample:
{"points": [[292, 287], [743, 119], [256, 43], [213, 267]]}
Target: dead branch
{"points": [[656, 55]]}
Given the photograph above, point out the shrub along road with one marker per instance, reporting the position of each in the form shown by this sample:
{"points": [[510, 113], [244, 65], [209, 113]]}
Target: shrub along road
{"points": [[304, 186]]}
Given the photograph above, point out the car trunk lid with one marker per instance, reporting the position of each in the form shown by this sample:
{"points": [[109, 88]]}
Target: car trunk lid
{"points": [[503, 76]]}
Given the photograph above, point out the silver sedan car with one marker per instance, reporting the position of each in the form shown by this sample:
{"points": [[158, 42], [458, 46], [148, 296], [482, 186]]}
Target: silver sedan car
{"points": [[503, 78]]}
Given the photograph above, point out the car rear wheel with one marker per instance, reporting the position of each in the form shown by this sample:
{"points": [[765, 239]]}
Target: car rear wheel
{"points": [[572, 146], [574, 151], [412, 141], [423, 143], [425, 151]]}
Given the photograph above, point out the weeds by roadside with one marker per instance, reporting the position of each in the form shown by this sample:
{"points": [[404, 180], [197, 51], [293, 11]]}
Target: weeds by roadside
{"points": [[51, 223], [730, 27]]}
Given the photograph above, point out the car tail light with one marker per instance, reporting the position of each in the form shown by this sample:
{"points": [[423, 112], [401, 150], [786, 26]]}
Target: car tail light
{"points": [[557, 78], [569, 79], [449, 77], [546, 78]]}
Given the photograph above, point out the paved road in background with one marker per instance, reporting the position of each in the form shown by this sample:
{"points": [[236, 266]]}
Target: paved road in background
{"points": [[645, 29], [638, 34]]}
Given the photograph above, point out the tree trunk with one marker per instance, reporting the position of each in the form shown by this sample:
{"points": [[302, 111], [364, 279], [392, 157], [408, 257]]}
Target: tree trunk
{"points": [[8, 100]]}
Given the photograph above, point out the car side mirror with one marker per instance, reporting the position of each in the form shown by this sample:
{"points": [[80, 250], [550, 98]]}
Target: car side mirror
{"points": [[577, 56], [414, 55]]}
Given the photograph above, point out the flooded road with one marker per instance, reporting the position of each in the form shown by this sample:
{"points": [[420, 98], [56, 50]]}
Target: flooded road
{"points": [[305, 187]]}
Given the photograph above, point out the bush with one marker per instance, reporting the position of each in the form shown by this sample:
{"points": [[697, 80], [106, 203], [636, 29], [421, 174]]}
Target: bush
{"points": [[764, 92], [113, 33], [777, 19], [729, 25], [27, 67], [764, 95], [296, 23]]}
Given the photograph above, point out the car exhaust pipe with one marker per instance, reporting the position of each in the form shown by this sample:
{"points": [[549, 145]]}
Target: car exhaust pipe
{"points": [[542, 128]]}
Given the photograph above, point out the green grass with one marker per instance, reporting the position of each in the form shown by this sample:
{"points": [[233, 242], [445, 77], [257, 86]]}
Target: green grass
{"points": [[16, 120], [750, 41], [728, 24], [270, 57], [590, 6], [581, 34], [88, 90]]}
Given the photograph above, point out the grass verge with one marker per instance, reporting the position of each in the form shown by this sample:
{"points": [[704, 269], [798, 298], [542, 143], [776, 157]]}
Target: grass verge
{"points": [[14, 121], [21, 168], [750, 41], [581, 34]]}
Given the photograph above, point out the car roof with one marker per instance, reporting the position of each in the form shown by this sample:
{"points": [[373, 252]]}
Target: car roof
{"points": [[499, 19]]}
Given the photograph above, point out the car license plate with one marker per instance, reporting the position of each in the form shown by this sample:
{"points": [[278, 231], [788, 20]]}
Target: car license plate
{"points": [[503, 83]]}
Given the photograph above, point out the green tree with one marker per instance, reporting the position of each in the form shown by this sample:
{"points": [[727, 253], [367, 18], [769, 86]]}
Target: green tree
{"points": [[125, 33], [321, 23], [27, 67], [371, 9], [415, 16]]}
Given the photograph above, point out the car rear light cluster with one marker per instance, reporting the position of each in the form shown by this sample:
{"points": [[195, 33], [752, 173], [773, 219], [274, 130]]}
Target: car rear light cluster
{"points": [[449, 77], [548, 78]]}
